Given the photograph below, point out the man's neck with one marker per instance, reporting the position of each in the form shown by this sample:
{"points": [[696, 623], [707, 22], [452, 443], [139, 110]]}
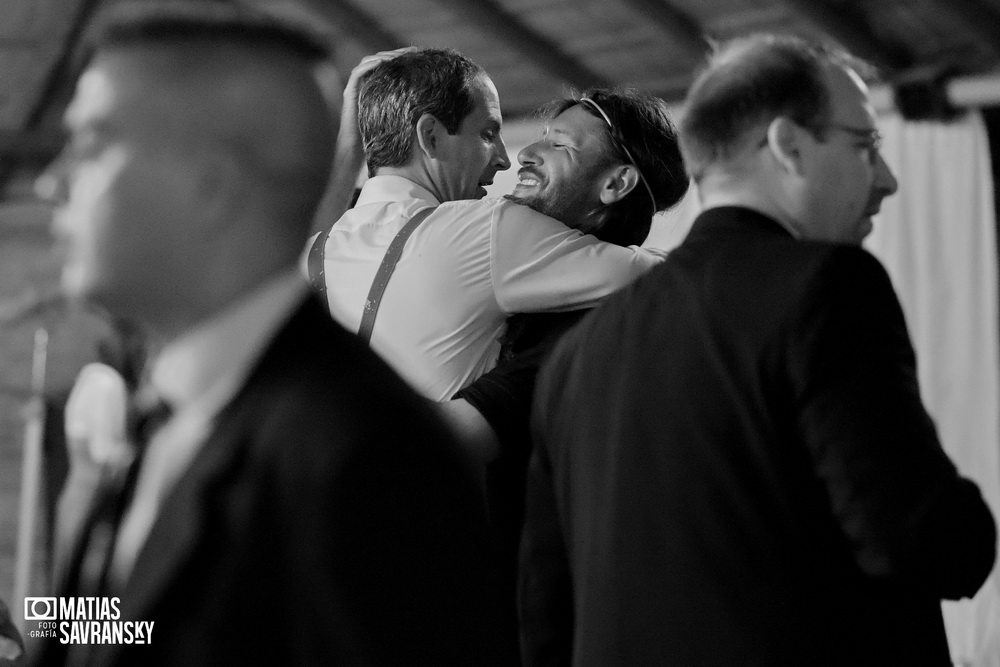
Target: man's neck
{"points": [[417, 174], [721, 191]]}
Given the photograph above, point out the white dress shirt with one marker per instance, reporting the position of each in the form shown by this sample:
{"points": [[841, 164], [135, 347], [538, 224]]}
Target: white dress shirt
{"points": [[198, 374], [468, 266]]}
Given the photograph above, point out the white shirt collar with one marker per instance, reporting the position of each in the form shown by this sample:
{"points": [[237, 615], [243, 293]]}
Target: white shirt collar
{"points": [[393, 188]]}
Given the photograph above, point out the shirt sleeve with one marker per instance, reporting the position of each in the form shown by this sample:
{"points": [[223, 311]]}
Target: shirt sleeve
{"points": [[896, 495], [538, 264]]}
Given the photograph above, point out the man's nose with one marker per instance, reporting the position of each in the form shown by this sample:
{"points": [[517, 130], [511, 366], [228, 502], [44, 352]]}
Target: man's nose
{"points": [[529, 155], [503, 162], [885, 180]]}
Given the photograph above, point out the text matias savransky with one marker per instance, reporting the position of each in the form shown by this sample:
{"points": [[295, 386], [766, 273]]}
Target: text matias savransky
{"points": [[85, 620]]}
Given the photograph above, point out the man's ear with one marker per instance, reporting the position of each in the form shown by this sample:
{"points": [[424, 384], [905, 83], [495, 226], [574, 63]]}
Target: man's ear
{"points": [[786, 140], [618, 182], [221, 189], [429, 129]]}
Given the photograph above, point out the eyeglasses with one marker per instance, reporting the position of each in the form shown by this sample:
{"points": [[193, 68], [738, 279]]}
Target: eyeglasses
{"points": [[621, 146], [872, 138]]}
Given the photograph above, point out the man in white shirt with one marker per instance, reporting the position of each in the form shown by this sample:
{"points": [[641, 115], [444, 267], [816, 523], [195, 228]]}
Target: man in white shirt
{"points": [[430, 124], [280, 515]]}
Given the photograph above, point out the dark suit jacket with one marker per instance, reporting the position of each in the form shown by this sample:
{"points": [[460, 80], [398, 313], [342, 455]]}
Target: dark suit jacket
{"points": [[734, 467], [503, 397], [330, 519]]}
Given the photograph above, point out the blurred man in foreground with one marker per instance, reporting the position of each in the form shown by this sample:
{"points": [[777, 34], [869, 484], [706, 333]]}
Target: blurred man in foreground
{"points": [[270, 511]]}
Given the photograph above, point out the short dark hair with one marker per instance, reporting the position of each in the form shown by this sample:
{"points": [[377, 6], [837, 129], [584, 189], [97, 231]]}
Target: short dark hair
{"points": [[642, 124], [144, 22], [397, 92], [748, 82]]}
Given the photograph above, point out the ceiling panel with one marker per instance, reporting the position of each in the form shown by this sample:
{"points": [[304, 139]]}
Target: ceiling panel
{"points": [[535, 49]]}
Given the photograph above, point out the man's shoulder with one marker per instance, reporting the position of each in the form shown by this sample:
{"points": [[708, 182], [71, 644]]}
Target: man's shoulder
{"points": [[318, 390], [487, 207], [465, 212], [459, 211], [310, 347], [771, 252], [837, 262], [497, 207]]}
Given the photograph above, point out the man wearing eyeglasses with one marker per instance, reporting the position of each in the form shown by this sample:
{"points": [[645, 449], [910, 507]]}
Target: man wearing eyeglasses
{"points": [[733, 465]]}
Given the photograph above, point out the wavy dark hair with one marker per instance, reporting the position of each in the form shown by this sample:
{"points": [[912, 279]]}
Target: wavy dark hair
{"points": [[642, 124], [397, 92]]}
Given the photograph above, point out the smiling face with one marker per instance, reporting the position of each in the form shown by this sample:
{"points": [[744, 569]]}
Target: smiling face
{"points": [[470, 158], [847, 176], [561, 173]]}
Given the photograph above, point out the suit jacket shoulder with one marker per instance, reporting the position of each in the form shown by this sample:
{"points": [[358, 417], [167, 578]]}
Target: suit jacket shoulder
{"points": [[329, 519]]}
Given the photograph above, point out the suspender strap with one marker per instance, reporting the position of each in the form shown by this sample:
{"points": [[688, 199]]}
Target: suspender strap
{"points": [[385, 270], [317, 269]]}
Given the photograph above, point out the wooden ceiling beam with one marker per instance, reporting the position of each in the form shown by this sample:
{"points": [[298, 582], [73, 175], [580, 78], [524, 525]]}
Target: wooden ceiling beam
{"points": [[847, 25], [61, 77], [533, 45], [37, 147], [19, 43], [684, 30], [981, 19], [356, 23]]}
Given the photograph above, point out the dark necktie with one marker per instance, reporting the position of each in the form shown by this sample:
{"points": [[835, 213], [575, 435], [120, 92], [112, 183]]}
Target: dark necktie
{"points": [[147, 413]]}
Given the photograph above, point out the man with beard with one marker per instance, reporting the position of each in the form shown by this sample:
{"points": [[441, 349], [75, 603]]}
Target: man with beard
{"points": [[585, 141], [606, 163], [430, 126]]}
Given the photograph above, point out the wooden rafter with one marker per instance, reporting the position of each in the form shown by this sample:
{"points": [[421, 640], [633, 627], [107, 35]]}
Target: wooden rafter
{"points": [[684, 30], [358, 24], [30, 145], [19, 43], [37, 147], [847, 25], [981, 19], [533, 45], [60, 78], [37, 142]]}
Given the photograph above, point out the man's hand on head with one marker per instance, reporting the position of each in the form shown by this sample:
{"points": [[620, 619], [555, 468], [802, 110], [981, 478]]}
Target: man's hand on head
{"points": [[349, 157], [349, 114]]}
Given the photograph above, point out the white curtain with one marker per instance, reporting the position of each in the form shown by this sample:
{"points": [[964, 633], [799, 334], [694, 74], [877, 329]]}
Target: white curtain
{"points": [[937, 238]]}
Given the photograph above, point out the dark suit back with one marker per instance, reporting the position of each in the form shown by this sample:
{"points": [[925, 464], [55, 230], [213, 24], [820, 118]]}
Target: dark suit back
{"points": [[330, 519], [734, 467]]}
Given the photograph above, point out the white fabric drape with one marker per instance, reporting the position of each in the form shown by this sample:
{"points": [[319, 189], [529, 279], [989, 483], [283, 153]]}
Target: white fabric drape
{"points": [[937, 239]]}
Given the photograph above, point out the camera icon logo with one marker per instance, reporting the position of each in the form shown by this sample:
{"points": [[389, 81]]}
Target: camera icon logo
{"points": [[40, 609]]}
